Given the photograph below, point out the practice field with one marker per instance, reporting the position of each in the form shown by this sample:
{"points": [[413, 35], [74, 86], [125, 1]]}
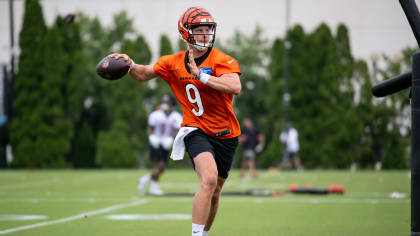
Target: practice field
{"points": [[106, 203]]}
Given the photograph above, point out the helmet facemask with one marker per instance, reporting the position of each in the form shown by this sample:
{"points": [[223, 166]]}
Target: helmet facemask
{"points": [[211, 36]]}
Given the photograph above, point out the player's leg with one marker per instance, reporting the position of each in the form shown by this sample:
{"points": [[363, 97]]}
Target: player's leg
{"points": [[206, 169], [224, 151], [144, 180], [244, 166], [288, 164], [159, 168], [251, 164], [200, 150], [297, 161], [246, 163], [211, 158], [214, 203]]}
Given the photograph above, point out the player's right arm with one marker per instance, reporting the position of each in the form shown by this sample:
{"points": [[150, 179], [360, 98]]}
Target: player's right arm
{"points": [[137, 72], [150, 130], [142, 73]]}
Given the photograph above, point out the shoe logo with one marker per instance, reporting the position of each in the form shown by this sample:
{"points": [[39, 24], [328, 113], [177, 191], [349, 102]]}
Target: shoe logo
{"points": [[230, 62], [194, 232]]}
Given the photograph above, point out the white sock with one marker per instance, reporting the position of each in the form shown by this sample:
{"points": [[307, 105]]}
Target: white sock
{"points": [[154, 183], [205, 233], [146, 177], [197, 230]]}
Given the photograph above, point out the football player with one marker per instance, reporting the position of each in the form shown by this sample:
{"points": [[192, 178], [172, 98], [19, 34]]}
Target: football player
{"points": [[204, 81], [253, 142], [163, 123]]}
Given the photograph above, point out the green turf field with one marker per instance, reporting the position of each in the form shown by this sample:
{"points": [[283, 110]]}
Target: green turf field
{"points": [[90, 203]]}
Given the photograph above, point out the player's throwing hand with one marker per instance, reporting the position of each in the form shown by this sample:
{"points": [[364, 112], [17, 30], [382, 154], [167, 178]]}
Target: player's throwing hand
{"points": [[191, 64]]}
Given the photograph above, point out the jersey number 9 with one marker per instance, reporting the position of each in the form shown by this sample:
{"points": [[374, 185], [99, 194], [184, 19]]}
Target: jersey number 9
{"points": [[196, 100]]}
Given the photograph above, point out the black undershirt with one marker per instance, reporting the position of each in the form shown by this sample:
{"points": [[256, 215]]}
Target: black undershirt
{"points": [[198, 61]]}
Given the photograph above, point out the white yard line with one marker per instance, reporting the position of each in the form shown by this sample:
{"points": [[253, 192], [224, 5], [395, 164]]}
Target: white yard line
{"points": [[250, 199], [149, 217], [30, 184], [75, 217]]}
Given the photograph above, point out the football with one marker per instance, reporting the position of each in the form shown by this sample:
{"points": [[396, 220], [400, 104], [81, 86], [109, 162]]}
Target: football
{"points": [[111, 68]]}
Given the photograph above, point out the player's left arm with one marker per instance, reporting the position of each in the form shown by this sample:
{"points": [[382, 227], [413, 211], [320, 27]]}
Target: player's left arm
{"points": [[261, 139], [261, 142], [227, 83]]}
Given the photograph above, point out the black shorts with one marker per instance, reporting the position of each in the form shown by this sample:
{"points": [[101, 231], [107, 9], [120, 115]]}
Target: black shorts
{"points": [[159, 154], [223, 150], [292, 155]]}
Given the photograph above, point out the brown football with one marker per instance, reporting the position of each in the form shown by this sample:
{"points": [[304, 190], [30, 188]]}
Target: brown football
{"points": [[112, 69]]}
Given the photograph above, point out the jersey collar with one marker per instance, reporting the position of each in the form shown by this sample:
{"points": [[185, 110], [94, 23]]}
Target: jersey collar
{"points": [[198, 61]]}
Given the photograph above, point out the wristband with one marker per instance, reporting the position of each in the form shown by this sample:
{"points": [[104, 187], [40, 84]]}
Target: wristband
{"points": [[132, 64], [203, 77]]}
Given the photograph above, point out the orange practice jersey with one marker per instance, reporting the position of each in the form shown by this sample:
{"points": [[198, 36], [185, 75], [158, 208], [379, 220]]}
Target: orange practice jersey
{"points": [[202, 106]]}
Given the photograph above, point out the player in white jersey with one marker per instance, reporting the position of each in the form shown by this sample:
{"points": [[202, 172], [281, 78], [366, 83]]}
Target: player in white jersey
{"points": [[163, 126], [290, 138]]}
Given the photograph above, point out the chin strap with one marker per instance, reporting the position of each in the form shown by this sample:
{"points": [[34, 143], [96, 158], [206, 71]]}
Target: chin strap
{"points": [[198, 47]]}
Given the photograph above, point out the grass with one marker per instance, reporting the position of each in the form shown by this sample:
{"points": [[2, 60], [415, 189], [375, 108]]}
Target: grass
{"points": [[65, 197]]}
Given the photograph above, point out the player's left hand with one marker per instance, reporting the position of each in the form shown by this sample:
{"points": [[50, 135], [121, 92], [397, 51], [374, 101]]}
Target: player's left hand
{"points": [[191, 64], [259, 148]]}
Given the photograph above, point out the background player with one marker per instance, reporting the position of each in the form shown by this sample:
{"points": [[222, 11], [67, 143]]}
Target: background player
{"points": [[163, 123], [204, 81], [289, 136], [253, 141]]}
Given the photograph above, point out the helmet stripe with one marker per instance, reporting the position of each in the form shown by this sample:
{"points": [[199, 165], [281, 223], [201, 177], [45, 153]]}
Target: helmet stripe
{"points": [[204, 13], [183, 16], [190, 13]]}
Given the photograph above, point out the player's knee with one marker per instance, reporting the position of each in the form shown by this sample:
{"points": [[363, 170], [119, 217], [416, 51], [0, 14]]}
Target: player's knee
{"points": [[209, 183]]}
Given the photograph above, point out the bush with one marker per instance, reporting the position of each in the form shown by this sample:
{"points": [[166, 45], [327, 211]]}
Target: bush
{"points": [[115, 149]]}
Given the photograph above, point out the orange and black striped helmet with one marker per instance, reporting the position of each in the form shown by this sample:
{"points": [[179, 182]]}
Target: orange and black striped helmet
{"points": [[193, 17]]}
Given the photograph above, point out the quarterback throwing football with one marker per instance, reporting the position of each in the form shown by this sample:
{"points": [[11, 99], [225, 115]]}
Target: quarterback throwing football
{"points": [[204, 81]]}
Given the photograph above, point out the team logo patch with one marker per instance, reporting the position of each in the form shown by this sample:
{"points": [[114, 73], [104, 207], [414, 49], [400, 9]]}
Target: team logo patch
{"points": [[206, 70]]}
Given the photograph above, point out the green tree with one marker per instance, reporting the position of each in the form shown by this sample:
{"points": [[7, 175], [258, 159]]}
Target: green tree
{"points": [[55, 129], [127, 99], [161, 86], [73, 88], [320, 68], [96, 43], [84, 143], [343, 116], [165, 46], [95, 46], [251, 53], [115, 148], [391, 120], [182, 46], [27, 86], [365, 153]]}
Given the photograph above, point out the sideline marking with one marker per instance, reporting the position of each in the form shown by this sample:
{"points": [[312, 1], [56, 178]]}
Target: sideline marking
{"points": [[149, 217], [6, 217], [75, 217]]}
